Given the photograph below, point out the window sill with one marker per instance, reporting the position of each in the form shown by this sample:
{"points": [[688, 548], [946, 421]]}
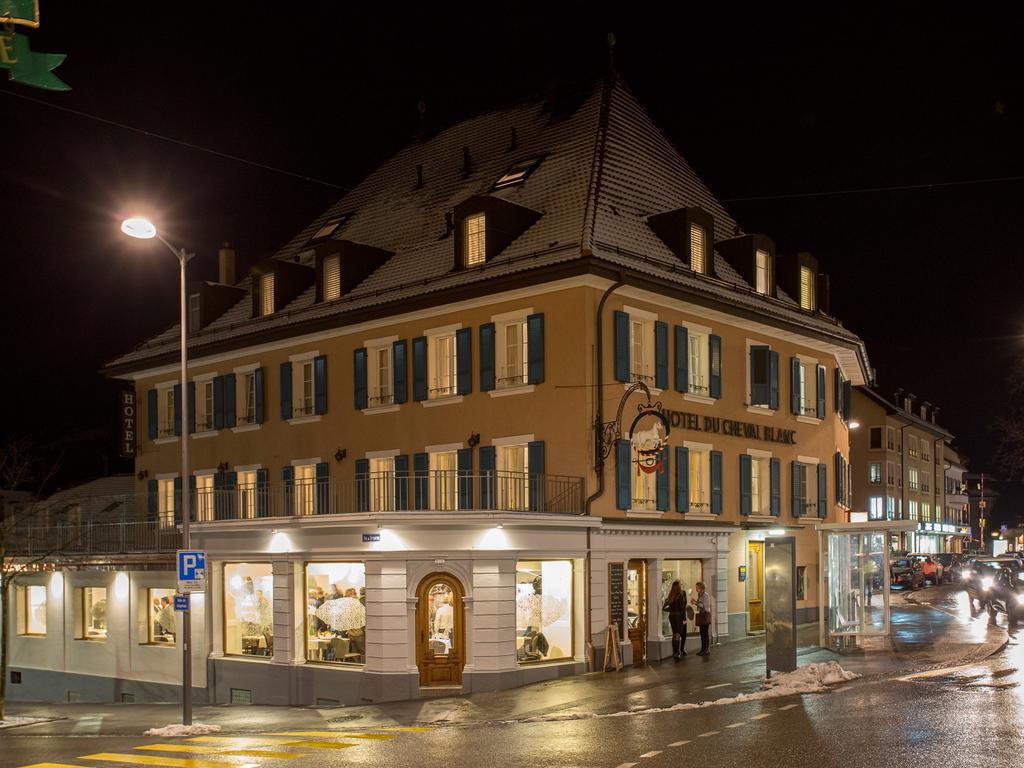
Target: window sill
{"points": [[305, 420], [762, 518], [699, 399], [451, 400], [204, 433], [522, 389], [31, 634], [246, 428], [166, 440], [381, 409], [159, 645], [91, 639], [655, 392], [700, 516], [760, 410], [650, 513], [809, 420]]}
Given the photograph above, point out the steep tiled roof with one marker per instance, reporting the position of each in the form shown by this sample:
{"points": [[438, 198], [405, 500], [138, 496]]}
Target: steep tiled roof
{"points": [[606, 169]]}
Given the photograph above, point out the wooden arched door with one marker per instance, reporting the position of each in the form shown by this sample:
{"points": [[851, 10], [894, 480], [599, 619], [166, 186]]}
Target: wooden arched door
{"points": [[440, 630]]}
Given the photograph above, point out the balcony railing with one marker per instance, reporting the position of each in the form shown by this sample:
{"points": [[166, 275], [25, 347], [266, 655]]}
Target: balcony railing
{"points": [[93, 538]]}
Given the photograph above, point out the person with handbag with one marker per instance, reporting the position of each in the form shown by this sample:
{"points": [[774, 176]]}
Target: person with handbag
{"points": [[675, 604], [702, 603]]}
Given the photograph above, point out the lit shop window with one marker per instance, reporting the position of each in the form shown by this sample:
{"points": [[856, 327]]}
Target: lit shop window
{"points": [[32, 610], [687, 573], [336, 612], [91, 610], [248, 609], [161, 621], [543, 610]]}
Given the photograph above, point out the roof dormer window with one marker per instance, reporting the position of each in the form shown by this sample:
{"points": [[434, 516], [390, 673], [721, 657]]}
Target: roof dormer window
{"points": [[697, 240], [808, 300], [762, 272], [332, 277], [267, 294], [518, 173], [474, 242], [329, 227], [194, 314]]}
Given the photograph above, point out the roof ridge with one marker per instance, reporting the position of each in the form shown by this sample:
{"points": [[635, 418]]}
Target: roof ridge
{"points": [[596, 167]]}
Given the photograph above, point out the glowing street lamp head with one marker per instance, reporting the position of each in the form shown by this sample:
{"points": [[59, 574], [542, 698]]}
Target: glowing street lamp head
{"points": [[139, 226]]}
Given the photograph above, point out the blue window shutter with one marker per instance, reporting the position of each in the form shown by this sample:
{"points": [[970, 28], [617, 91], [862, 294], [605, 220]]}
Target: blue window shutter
{"points": [[230, 486], [220, 505], [362, 485], [488, 479], [419, 368], [177, 409], [661, 355], [822, 491], [821, 391], [400, 371], [320, 385], [322, 499], [261, 492], [622, 351], [153, 510], [796, 489], [662, 482], [682, 480], [535, 465], [192, 496], [715, 366], [773, 380], [535, 349], [487, 357], [794, 391], [421, 480], [847, 400], [401, 482], [191, 407], [359, 371], [775, 486], [259, 394], [682, 350], [230, 393], [177, 500], [837, 389], [746, 501], [288, 478], [838, 474], [464, 463], [464, 361], [623, 474], [218, 402], [759, 376], [152, 413], [286, 390], [717, 495]]}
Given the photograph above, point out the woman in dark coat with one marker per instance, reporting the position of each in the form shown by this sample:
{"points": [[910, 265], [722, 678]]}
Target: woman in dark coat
{"points": [[675, 604]]}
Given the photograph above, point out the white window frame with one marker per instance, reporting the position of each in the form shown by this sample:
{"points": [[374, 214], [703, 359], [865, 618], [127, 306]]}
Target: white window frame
{"points": [[913, 480], [808, 388], [762, 272], [810, 482], [303, 409], [380, 495], [165, 508], [380, 388], [874, 479], [699, 474], [513, 491], [474, 239], [442, 384], [890, 438], [761, 496], [641, 350], [204, 404], [194, 312], [165, 411], [876, 508], [698, 361], [443, 483], [304, 487], [205, 498], [246, 484]]}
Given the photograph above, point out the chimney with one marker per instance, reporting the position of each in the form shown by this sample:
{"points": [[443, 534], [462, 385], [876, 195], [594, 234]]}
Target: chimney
{"points": [[925, 406], [897, 397], [226, 275], [935, 414], [908, 402]]}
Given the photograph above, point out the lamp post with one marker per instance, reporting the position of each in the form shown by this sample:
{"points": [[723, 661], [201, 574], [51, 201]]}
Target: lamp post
{"points": [[142, 228]]}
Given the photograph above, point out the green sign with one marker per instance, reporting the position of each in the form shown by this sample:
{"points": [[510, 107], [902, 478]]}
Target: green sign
{"points": [[27, 67], [20, 12]]}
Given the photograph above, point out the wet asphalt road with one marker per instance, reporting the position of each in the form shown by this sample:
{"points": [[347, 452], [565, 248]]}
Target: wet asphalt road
{"points": [[947, 716]]}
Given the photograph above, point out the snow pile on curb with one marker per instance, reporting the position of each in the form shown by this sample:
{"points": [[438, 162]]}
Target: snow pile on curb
{"points": [[196, 729], [11, 722], [814, 678]]}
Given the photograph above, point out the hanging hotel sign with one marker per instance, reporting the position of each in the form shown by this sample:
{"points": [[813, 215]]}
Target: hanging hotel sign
{"points": [[24, 65], [730, 427], [649, 435], [129, 413]]}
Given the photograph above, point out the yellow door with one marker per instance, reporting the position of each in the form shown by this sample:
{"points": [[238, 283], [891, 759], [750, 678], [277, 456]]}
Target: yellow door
{"points": [[755, 584]]}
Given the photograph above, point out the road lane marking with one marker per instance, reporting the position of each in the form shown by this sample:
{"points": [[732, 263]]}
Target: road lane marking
{"points": [[64, 765], [934, 673], [199, 750], [788, 706], [735, 725], [406, 728], [337, 735], [678, 743], [320, 744], [652, 753], [720, 685], [249, 741], [708, 733], [623, 765], [762, 716], [164, 762]]}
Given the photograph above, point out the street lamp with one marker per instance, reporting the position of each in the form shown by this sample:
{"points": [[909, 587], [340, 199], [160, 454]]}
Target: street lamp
{"points": [[143, 229]]}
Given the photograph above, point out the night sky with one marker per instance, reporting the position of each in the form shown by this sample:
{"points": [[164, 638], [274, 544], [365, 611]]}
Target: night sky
{"points": [[762, 106]]}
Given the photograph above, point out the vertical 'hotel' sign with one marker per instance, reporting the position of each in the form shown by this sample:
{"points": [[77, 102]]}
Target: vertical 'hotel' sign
{"points": [[129, 422]]}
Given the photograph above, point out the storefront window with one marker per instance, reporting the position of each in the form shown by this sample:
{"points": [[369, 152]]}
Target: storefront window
{"points": [[543, 610], [33, 610], [336, 612], [161, 615], [92, 617], [441, 619], [688, 572], [248, 609]]}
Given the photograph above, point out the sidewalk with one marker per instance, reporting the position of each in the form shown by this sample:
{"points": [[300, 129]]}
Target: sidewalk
{"points": [[928, 630]]}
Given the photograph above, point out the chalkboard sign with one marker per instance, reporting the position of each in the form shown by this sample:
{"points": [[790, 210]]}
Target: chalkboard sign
{"points": [[616, 592]]}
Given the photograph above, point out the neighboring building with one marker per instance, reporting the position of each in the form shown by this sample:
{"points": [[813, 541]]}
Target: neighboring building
{"points": [[899, 470], [15, 504], [982, 501], [957, 507], [393, 432]]}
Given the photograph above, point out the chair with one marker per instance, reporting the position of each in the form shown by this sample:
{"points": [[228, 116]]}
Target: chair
{"points": [[339, 648]]}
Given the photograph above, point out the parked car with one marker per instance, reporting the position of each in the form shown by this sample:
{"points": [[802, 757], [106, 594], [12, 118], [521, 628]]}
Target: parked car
{"points": [[978, 576], [932, 568], [906, 572], [1006, 595], [951, 565]]}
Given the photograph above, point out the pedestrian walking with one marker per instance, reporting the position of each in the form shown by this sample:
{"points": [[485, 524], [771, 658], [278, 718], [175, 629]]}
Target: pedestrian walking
{"points": [[675, 604], [702, 604]]}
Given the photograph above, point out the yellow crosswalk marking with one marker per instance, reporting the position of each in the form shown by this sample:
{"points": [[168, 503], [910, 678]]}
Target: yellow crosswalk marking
{"points": [[163, 762], [198, 750], [250, 741], [337, 734], [407, 728], [49, 765], [320, 744]]}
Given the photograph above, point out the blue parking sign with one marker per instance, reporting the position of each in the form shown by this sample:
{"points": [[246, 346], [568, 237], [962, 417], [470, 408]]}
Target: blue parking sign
{"points": [[191, 570]]}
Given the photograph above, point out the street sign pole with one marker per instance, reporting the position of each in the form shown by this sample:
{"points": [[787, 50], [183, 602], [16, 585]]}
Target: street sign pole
{"points": [[186, 617]]}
